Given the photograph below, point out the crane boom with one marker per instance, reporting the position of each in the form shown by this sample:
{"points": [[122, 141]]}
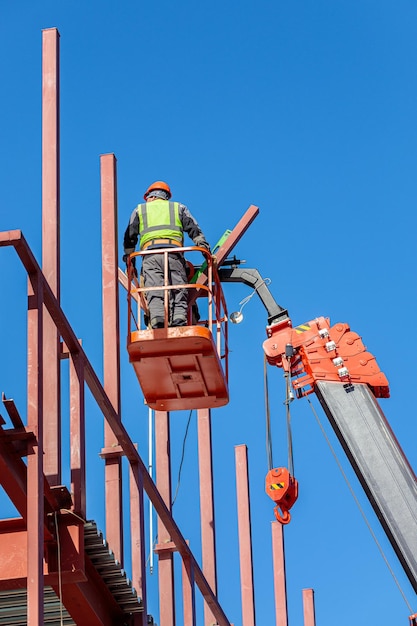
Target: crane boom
{"points": [[379, 463], [333, 363]]}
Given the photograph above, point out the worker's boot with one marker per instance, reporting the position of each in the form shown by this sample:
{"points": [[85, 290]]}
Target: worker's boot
{"points": [[157, 322], [179, 321]]}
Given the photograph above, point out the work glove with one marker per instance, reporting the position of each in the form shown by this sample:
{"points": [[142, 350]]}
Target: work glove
{"points": [[201, 242], [132, 263]]}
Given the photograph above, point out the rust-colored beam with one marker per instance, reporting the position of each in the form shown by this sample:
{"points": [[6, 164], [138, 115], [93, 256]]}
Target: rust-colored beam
{"points": [[35, 476], [208, 531], [77, 435], [165, 557], [111, 350], [280, 587], [188, 593], [13, 475], [91, 602], [137, 528], [235, 235], [245, 538], [51, 249], [17, 240], [308, 605]]}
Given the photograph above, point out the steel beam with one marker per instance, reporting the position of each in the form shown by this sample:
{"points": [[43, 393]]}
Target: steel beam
{"points": [[245, 539], [35, 477], [77, 435], [308, 607], [235, 235], [51, 249], [280, 586], [208, 527], [137, 527], [380, 465], [111, 350], [188, 593], [165, 556]]}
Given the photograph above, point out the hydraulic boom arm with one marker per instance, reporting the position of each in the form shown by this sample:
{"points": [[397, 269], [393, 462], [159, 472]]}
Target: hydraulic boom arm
{"points": [[333, 363]]}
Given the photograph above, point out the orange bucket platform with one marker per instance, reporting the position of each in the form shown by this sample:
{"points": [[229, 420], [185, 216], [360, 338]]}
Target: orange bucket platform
{"points": [[178, 368]]}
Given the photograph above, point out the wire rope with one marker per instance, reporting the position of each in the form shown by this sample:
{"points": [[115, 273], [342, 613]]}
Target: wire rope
{"points": [[182, 458], [267, 418], [288, 399]]}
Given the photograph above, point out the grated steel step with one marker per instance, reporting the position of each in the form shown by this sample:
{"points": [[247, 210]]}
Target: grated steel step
{"points": [[13, 603], [104, 561], [13, 609]]}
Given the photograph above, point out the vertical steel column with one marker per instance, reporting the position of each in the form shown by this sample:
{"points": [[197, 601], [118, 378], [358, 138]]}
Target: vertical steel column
{"points": [[308, 604], [245, 539], [111, 351], [280, 589], [35, 488], [51, 249], [163, 483], [188, 592], [77, 434], [208, 534], [137, 525]]}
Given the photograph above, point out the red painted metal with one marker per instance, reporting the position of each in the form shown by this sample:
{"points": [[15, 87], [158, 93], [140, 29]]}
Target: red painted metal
{"points": [[280, 588], [245, 538], [77, 436], [282, 488], [235, 235], [164, 549], [188, 593], [17, 240], [35, 508], [111, 350], [208, 526], [137, 537], [178, 368], [51, 249], [326, 353], [308, 604]]}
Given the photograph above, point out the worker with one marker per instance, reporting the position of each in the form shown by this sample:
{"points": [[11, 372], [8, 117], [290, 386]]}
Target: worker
{"points": [[159, 223]]}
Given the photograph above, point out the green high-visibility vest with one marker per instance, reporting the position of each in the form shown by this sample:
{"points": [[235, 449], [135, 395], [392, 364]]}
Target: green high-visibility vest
{"points": [[159, 219]]}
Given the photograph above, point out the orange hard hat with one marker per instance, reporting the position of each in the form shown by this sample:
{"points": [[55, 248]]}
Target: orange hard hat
{"points": [[159, 185]]}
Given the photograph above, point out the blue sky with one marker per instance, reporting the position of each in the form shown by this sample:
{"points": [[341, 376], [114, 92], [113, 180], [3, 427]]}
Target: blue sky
{"points": [[306, 109]]}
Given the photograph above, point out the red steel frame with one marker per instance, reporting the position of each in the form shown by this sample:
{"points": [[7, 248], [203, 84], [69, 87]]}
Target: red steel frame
{"points": [[51, 248], [51, 338]]}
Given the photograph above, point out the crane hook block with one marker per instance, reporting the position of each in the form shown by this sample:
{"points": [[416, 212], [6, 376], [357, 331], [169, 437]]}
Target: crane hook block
{"points": [[282, 488]]}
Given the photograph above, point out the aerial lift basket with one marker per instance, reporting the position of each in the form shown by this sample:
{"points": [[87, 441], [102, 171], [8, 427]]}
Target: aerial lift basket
{"points": [[180, 368]]}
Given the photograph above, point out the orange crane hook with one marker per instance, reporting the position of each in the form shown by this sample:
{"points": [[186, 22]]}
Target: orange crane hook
{"points": [[282, 488]]}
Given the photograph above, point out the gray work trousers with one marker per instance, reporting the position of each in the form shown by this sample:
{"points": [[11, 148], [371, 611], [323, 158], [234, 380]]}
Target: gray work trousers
{"points": [[153, 276]]}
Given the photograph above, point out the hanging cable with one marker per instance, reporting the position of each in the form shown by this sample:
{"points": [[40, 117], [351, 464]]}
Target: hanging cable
{"points": [[150, 470], [362, 512], [267, 417], [289, 397], [182, 457]]}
